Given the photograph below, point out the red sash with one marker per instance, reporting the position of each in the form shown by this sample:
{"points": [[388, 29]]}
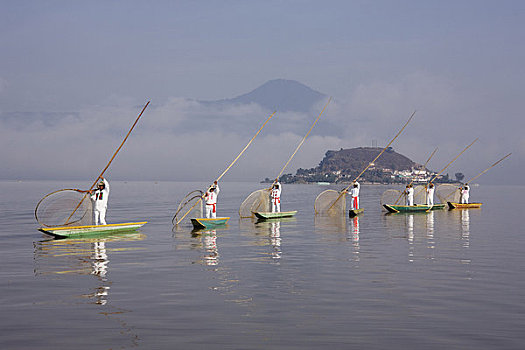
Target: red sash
{"points": [[214, 207]]}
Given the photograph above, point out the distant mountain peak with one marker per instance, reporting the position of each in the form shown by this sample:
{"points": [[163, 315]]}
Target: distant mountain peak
{"points": [[279, 94]]}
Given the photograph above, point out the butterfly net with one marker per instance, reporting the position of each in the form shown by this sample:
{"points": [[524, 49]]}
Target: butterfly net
{"points": [[257, 201], [393, 197], [330, 202], [67, 207], [189, 207], [448, 193]]}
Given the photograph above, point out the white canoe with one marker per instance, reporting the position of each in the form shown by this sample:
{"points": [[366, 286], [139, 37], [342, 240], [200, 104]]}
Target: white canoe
{"points": [[69, 231]]}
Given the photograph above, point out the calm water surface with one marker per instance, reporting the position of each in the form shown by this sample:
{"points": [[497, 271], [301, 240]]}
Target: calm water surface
{"points": [[448, 279]]}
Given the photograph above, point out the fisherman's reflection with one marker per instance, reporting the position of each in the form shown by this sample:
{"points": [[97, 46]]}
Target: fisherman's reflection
{"points": [[209, 242], [410, 235], [99, 263], [431, 243], [465, 228], [354, 222], [275, 239]]}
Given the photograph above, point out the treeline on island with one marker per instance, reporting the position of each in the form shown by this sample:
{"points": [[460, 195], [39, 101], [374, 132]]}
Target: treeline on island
{"points": [[345, 165]]}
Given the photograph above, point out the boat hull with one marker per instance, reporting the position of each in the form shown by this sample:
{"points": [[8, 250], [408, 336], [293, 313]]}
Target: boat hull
{"points": [[406, 208], [209, 223], [76, 231], [269, 215], [452, 205], [354, 212]]}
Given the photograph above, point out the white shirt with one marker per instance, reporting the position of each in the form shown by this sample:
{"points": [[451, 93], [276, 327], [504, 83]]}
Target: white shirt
{"points": [[211, 197], [276, 192], [100, 197], [354, 192]]}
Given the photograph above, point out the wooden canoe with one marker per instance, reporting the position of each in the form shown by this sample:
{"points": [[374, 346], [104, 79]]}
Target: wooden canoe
{"points": [[200, 223], [452, 205], [354, 212], [77, 231], [264, 215], [407, 208]]}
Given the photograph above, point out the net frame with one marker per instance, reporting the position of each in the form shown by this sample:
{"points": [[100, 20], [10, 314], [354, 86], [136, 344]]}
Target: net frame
{"points": [[257, 201], [448, 193], [190, 204], [55, 208], [330, 202]]}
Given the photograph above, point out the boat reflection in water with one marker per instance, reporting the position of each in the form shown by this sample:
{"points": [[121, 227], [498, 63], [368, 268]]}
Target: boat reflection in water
{"points": [[89, 257], [82, 256]]}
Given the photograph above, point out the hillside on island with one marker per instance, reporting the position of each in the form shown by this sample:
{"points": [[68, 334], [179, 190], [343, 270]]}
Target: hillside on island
{"points": [[345, 165]]}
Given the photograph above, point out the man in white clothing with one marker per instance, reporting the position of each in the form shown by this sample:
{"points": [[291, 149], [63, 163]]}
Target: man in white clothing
{"points": [[430, 194], [354, 193], [211, 200], [99, 197], [465, 194], [275, 195], [409, 193]]}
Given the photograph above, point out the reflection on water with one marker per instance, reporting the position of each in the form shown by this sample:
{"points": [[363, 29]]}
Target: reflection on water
{"points": [[275, 239], [209, 243], [410, 234], [355, 237], [87, 256], [465, 227], [331, 224], [431, 243]]}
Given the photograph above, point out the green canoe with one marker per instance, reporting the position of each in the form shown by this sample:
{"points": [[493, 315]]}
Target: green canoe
{"points": [[392, 208], [200, 223], [269, 215], [77, 231]]}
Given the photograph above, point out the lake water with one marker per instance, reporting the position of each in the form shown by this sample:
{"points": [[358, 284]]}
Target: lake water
{"points": [[443, 280]]}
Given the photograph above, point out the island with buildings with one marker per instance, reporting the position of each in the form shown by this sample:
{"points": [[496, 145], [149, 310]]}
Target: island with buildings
{"points": [[345, 165]]}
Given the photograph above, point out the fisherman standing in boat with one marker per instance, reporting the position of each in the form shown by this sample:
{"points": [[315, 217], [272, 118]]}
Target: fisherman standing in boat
{"points": [[409, 193], [275, 196], [354, 193], [430, 193], [465, 193], [100, 201], [211, 200]]}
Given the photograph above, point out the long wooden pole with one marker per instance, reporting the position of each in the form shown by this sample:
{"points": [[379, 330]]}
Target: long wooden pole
{"points": [[302, 141], [228, 168], [490, 167], [384, 149], [453, 160], [372, 162], [109, 163]]}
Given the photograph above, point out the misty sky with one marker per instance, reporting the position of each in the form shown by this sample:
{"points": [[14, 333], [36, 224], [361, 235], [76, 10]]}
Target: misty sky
{"points": [[75, 74]]}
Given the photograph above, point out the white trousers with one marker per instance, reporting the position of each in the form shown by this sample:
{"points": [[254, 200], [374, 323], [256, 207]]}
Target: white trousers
{"points": [[430, 200], [464, 198], [209, 211], [410, 200], [276, 207], [354, 203], [99, 216]]}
